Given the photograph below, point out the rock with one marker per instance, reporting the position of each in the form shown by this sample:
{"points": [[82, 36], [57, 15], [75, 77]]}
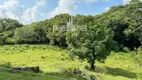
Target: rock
{"points": [[34, 69], [78, 72], [92, 77]]}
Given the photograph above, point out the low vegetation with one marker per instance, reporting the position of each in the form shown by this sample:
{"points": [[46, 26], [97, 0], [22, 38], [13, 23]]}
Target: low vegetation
{"points": [[55, 64]]}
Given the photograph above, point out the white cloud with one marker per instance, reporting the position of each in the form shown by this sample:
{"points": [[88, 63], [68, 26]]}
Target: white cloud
{"points": [[29, 15], [125, 1], [12, 9], [64, 6], [90, 1], [41, 3], [107, 8], [32, 14]]}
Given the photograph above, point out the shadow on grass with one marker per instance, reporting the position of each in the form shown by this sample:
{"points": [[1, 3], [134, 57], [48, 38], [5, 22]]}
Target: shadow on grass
{"points": [[120, 72], [64, 76], [97, 69]]}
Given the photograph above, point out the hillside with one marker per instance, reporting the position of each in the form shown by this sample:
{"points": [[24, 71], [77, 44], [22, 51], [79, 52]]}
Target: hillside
{"points": [[54, 60]]}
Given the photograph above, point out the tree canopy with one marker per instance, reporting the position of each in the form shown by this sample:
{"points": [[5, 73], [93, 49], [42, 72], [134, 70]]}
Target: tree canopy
{"points": [[124, 20], [94, 44]]}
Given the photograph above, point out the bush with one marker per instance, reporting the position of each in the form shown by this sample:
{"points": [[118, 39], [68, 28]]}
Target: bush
{"points": [[6, 65], [73, 70], [126, 49], [139, 76], [138, 57]]}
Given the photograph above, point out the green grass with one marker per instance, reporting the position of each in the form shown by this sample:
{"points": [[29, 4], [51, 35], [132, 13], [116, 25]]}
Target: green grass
{"points": [[53, 60]]}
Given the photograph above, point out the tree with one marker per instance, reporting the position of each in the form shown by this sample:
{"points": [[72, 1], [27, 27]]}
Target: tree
{"points": [[58, 37], [2, 40], [7, 27], [138, 57], [133, 1], [24, 35], [82, 19], [9, 24], [39, 32], [139, 32], [94, 44]]}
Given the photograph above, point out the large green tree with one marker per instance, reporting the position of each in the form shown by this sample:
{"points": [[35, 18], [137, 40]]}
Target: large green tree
{"points": [[94, 44], [24, 35], [58, 36], [9, 24], [7, 27]]}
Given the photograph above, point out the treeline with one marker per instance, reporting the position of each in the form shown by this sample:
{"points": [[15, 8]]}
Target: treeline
{"points": [[7, 29], [125, 21]]}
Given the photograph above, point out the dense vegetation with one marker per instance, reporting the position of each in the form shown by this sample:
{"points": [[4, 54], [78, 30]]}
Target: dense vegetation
{"points": [[7, 28], [125, 21], [92, 38]]}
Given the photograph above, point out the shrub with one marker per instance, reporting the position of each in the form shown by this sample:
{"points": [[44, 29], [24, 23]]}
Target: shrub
{"points": [[138, 57], [6, 65], [139, 76]]}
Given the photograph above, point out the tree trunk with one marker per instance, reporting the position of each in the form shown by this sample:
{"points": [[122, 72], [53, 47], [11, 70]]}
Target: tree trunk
{"points": [[136, 50], [92, 65]]}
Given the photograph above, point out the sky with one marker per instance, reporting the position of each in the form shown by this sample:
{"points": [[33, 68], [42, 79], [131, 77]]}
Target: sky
{"points": [[29, 11]]}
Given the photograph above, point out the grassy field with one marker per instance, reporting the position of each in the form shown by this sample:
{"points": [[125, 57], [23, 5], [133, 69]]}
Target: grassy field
{"points": [[54, 60]]}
